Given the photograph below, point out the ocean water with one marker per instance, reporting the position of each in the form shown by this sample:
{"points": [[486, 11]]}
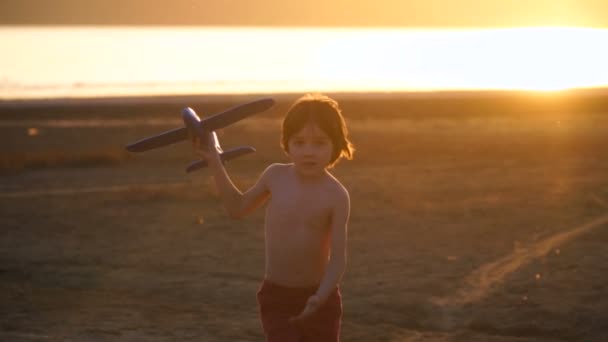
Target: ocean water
{"points": [[110, 61]]}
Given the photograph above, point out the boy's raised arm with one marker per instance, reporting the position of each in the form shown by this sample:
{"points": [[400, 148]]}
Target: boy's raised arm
{"points": [[237, 204], [240, 204]]}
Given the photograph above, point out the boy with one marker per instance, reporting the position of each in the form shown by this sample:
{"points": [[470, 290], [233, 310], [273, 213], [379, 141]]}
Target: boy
{"points": [[305, 223]]}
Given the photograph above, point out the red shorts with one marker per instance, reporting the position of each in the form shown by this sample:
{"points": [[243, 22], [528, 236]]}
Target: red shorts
{"points": [[277, 304]]}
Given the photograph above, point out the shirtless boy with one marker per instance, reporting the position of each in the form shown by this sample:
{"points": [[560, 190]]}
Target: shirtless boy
{"points": [[305, 224]]}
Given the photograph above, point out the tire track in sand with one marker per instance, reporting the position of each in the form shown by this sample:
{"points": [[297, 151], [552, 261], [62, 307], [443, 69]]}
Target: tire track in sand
{"points": [[482, 280]]}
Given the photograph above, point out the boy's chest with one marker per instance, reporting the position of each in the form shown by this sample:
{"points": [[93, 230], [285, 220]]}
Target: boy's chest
{"points": [[311, 207]]}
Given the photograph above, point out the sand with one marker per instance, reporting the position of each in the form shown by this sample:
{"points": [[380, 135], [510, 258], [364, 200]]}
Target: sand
{"points": [[477, 223]]}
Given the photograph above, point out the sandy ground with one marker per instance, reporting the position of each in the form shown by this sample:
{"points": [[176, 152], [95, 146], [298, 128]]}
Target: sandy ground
{"points": [[465, 229]]}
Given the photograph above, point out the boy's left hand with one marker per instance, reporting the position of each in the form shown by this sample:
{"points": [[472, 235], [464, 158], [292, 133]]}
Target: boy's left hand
{"points": [[312, 305]]}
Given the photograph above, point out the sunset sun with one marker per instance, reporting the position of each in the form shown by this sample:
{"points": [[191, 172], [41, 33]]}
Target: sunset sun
{"points": [[525, 58]]}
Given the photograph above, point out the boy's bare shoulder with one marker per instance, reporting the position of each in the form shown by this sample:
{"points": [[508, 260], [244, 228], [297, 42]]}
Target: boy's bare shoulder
{"points": [[337, 188], [273, 171], [276, 168]]}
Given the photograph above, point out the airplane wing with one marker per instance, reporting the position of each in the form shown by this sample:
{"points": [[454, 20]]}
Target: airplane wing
{"points": [[235, 114], [160, 140], [226, 155], [211, 123]]}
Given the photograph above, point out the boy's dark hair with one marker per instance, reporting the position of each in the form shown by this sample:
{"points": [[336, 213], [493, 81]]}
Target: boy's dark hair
{"points": [[325, 113]]}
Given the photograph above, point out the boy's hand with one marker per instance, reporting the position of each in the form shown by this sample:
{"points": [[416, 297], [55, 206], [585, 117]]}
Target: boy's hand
{"points": [[209, 151], [312, 305]]}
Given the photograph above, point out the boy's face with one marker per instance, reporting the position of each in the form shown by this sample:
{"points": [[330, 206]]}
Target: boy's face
{"points": [[310, 150]]}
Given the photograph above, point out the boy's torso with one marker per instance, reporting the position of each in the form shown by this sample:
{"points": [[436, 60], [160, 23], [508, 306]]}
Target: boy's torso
{"points": [[298, 218]]}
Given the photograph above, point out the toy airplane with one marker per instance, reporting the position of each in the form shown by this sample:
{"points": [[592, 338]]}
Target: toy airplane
{"points": [[194, 126]]}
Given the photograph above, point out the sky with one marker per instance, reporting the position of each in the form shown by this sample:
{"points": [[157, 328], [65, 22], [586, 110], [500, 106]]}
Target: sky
{"points": [[68, 48], [310, 13]]}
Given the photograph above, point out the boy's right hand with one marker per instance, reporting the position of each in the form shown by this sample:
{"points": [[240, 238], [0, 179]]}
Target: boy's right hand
{"points": [[210, 151]]}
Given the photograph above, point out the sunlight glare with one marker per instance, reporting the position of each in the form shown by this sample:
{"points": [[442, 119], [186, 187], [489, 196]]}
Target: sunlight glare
{"points": [[527, 59], [124, 60]]}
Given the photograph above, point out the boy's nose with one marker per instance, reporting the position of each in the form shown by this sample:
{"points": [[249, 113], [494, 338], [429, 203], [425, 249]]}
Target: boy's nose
{"points": [[309, 150]]}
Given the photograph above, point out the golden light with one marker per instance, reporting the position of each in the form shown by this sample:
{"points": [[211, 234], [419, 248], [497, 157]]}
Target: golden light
{"points": [[97, 61], [528, 59], [32, 131]]}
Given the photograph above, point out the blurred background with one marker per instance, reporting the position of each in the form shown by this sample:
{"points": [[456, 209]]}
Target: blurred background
{"points": [[108, 48]]}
